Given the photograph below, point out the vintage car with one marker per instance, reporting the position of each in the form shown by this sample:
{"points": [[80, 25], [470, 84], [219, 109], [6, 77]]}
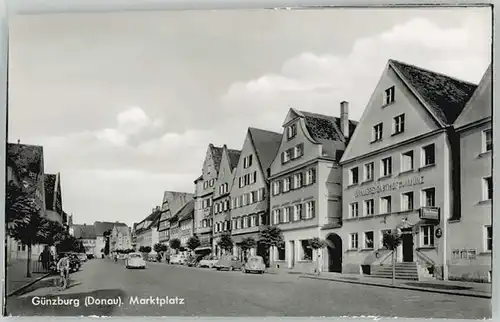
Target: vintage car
{"points": [[82, 257], [208, 261], [228, 262], [254, 264], [193, 260], [135, 260], [179, 259]]}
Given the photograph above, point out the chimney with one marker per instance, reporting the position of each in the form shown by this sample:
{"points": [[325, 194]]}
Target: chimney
{"points": [[18, 141], [344, 118]]}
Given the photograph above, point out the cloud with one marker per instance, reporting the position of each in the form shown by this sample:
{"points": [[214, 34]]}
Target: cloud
{"points": [[319, 82]]}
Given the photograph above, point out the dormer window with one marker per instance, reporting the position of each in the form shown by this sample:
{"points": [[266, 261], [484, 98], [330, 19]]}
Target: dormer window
{"points": [[291, 131], [389, 95]]}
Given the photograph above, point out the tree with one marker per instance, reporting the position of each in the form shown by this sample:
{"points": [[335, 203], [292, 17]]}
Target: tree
{"points": [[391, 240], [147, 249], [317, 244], [226, 242], [175, 244], [193, 243], [107, 236], [271, 237], [160, 249], [141, 249], [246, 244], [55, 232]]}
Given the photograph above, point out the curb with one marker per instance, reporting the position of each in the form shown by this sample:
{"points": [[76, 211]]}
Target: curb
{"points": [[421, 289], [25, 286]]}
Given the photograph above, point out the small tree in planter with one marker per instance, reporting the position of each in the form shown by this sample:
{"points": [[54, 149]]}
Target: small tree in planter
{"points": [[175, 244], [226, 243], [271, 237], [316, 244], [247, 244], [391, 241], [193, 243]]}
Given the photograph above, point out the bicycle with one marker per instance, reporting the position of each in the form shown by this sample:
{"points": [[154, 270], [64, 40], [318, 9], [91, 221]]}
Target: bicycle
{"points": [[64, 279]]}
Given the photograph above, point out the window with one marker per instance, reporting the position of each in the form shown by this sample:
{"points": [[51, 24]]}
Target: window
{"points": [[309, 210], [399, 124], [427, 233], [353, 240], [285, 156], [389, 95], [298, 150], [253, 221], [407, 201], [291, 131], [488, 140], [428, 154], [385, 205], [297, 213], [369, 205], [212, 182], [368, 240], [306, 250], [353, 210], [205, 185], [377, 132], [369, 171], [353, 176], [310, 176], [260, 194], [297, 180], [286, 184], [251, 198], [286, 214], [429, 196], [247, 161], [276, 216], [386, 167], [276, 187], [407, 161], [487, 188], [488, 238]]}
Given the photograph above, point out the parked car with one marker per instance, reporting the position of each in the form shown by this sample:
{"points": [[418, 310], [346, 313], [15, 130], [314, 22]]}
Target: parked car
{"points": [[74, 263], [254, 264], [208, 261], [135, 260], [82, 257], [178, 259], [194, 260], [229, 262], [90, 256]]}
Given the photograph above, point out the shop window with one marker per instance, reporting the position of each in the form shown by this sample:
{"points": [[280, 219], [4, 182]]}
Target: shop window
{"points": [[307, 251]]}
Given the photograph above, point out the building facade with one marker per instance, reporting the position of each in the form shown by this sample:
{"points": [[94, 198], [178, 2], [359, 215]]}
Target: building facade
{"points": [[204, 189], [121, 238], [86, 234], [470, 236], [146, 231], [53, 198], [101, 228], [172, 202], [305, 184], [221, 197], [182, 224], [249, 193], [399, 172]]}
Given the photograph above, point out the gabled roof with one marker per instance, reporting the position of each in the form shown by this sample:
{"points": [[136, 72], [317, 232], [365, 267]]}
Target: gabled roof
{"points": [[216, 156], [480, 104], [266, 145], [234, 157], [187, 211], [445, 96], [84, 231], [325, 127], [102, 226], [123, 229]]}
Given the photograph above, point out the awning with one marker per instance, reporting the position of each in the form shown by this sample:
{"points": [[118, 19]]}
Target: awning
{"points": [[202, 248]]}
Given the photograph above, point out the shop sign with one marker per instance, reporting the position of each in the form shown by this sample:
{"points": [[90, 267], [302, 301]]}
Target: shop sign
{"points": [[396, 185], [429, 213]]}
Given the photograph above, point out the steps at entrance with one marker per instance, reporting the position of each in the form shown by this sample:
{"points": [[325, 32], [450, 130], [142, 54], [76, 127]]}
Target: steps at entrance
{"points": [[404, 271]]}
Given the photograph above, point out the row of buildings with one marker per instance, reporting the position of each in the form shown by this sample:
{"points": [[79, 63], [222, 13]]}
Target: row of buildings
{"points": [[25, 169], [418, 160]]}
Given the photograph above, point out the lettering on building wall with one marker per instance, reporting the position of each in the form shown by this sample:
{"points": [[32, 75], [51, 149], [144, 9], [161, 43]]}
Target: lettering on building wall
{"points": [[464, 254], [396, 185]]}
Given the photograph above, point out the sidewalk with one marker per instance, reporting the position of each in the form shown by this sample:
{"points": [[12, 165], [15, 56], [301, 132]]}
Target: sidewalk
{"points": [[15, 277], [481, 290]]}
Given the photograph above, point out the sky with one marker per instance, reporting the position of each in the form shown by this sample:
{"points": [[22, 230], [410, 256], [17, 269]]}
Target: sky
{"points": [[126, 103]]}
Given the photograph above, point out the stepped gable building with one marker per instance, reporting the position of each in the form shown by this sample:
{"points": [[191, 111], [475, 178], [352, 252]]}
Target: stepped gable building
{"points": [[221, 197], [306, 186], [249, 207], [400, 172], [470, 235]]}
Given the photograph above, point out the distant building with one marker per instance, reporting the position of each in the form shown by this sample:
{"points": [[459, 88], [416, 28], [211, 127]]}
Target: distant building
{"points": [[181, 224], [172, 202], [121, 238], [86, 233], [102, 227], [146, 231], [53, 198]]}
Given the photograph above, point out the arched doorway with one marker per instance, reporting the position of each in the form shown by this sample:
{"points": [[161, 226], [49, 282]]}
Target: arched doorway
{"points": [[334, 253]]}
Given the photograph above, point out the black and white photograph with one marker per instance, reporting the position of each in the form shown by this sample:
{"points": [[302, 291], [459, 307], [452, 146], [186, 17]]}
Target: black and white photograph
{"points": [[319, 162]]}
